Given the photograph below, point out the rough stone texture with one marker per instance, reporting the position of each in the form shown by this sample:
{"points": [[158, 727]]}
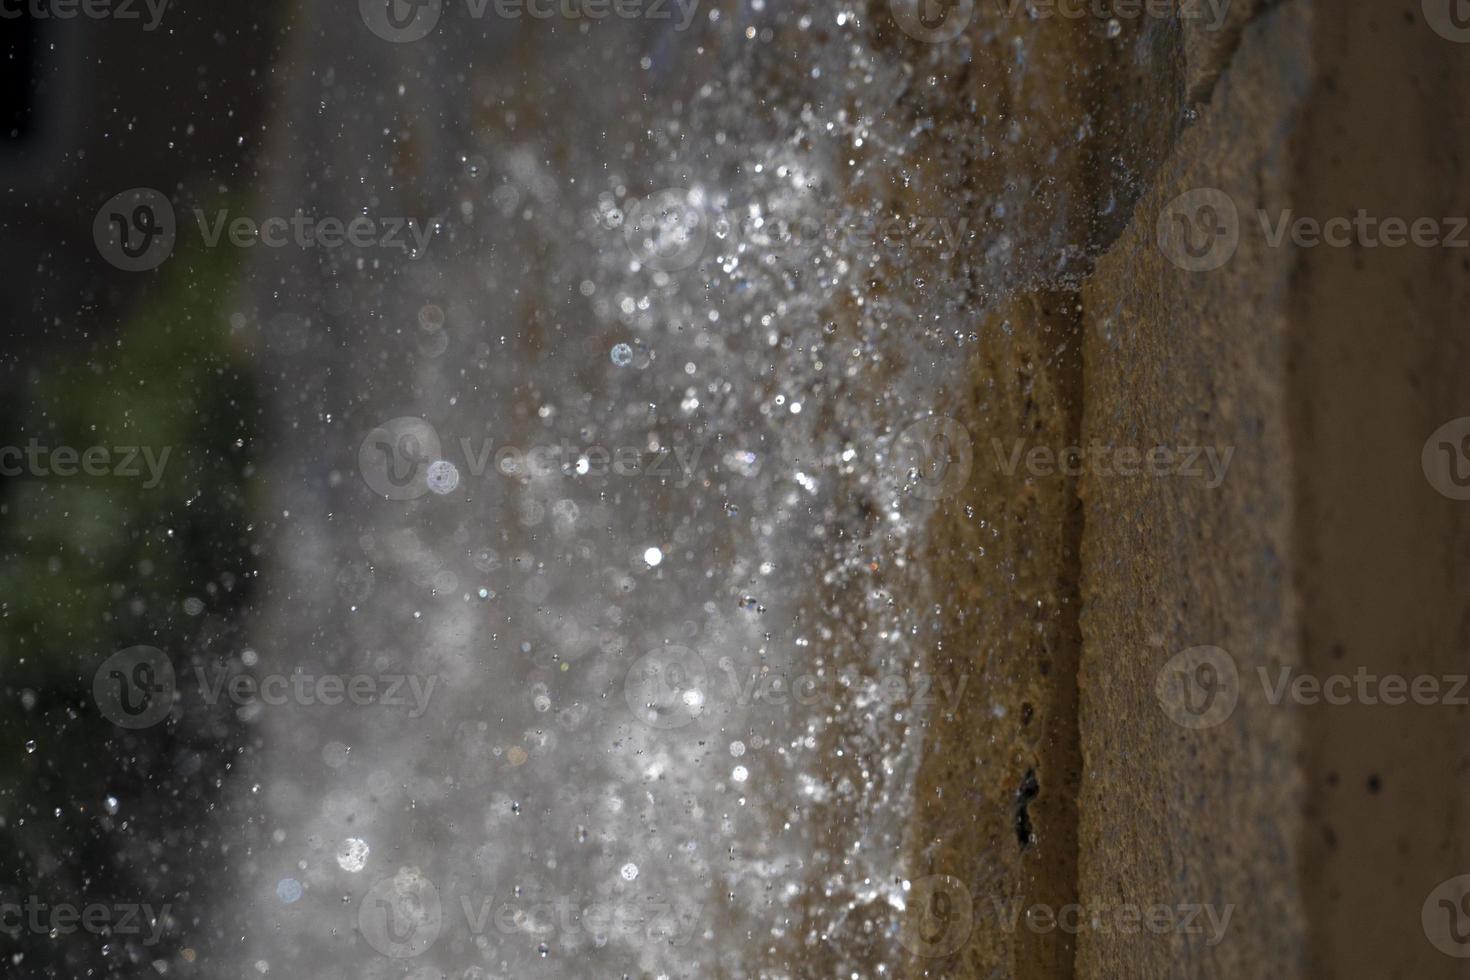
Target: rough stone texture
{"points": [[1212, 30], [996, 798], [1071, 125], [1171, 815], [1324, 550]]}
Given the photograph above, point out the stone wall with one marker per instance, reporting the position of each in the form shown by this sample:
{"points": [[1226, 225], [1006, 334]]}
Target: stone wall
{"points": [[1322, 549]]}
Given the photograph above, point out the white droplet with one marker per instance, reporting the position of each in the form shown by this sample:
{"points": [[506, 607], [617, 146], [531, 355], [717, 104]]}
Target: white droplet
{"points": [[442, 476], [653, 557], [630, 871], [740, 774], [353, 854]]}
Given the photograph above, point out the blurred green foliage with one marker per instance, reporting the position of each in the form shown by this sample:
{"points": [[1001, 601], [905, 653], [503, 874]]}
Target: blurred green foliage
{"points": [[93, 564]]}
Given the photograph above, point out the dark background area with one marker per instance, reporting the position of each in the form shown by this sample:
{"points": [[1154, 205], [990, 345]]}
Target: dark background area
{"points": [[90, 355]]}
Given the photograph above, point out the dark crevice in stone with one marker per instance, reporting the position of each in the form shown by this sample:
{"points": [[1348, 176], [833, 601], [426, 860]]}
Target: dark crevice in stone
{"points": [[1029, 790]]}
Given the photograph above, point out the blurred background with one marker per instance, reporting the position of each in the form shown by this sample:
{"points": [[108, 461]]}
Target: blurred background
{"points": [[95, 356]]}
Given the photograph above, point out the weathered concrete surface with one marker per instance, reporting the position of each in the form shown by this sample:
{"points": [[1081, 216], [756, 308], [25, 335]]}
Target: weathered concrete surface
{"points": [[1212, 30], [996, 803], [1070, 125], [1323, 550], [1169, 815], [1083, 121], [1380, 360]]}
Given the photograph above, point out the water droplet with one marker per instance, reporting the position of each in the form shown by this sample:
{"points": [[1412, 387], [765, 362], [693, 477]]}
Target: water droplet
{"points": [[442, 477], [630, 871], [622, 355], [353, 854]]}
